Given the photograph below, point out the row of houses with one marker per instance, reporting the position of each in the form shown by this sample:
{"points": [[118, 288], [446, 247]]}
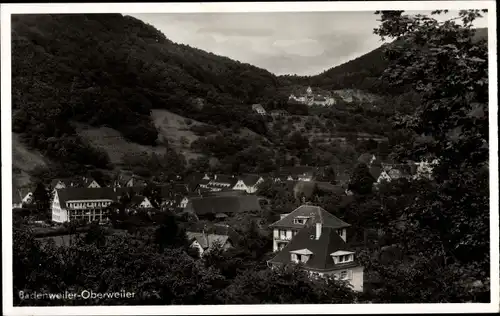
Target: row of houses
{"points": [[310, 98]]}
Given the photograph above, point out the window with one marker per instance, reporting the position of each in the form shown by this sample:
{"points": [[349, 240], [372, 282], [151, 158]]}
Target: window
{"points": [[345, 258], [300, 221], [343, 275]]}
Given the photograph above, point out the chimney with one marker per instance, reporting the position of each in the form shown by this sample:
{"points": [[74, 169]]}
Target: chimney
{"points": [[215, 177], [318, 230]]}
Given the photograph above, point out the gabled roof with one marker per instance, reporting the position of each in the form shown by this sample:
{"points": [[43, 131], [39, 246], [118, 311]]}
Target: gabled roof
{"points": [[137, 199], [317, 215], [74, 194], [214, 228], [224, 204], [222, 178], [16, 196], [207, 241], [249, 179], [320, 259]]}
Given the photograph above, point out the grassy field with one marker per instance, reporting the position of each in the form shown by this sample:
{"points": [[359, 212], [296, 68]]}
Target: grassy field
{"points": [[24, 160], [171, 127]]}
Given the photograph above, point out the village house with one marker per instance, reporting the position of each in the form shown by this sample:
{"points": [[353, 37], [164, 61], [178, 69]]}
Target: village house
{"points": [[175, 196], [75, 182], [259, 109], [321, 250], [17, 201], [89, 204], [221, 207], [221, 182], [297, 173], [310, 99], [204, 237], [248, 183], [290, 224], [124, 180]]}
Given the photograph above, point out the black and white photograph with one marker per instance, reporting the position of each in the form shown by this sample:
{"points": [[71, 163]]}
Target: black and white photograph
{"points": [[229, 158]]}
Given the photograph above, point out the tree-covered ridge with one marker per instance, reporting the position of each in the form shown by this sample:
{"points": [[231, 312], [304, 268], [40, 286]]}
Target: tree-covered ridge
{"points": [[364, 71], [109, 69]]}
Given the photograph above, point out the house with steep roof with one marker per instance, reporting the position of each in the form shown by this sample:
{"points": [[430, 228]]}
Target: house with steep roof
{"points": [[259, 109], [322, 251], [290, 224], [74, 182], [248, 183], [89, 204], [220, 207]]}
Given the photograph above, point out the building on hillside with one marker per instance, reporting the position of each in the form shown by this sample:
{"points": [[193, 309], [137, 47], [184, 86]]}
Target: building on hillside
{"points": [[125, 180], [89, 204], [279, 113], [221, 207], [290, 224], [321, 250], [297, 173], [140, 202], [248, 183], [390, 172], [424, 169], [204, 236], [259, 109], [221, 182], [74, 182], [310, 99]]}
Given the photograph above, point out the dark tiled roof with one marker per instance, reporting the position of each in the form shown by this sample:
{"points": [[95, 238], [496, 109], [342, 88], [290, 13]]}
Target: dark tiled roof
{"points": [[221, 178], [224, 204], [249, 179], [71, 194], [375, 171], [217, 229], [317, 214], [137, 199], [321, 249]]}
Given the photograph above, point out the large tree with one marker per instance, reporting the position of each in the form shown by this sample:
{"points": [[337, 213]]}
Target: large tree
{"points": [[446, 232]]}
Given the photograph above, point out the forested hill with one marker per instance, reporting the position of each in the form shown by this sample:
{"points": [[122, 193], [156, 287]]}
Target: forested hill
{"points": [[110, 69], [360, 73]]}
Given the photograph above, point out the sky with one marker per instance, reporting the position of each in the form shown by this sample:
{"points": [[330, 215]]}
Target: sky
{"points": [[302, 43]]}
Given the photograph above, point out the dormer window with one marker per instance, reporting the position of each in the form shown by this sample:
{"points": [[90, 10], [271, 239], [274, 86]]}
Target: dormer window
{"points": [[301, 255], [300, 220], [342, 256]]}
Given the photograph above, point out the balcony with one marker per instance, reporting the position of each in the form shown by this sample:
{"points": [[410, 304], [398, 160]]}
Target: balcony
{"points": [[283, 238]]}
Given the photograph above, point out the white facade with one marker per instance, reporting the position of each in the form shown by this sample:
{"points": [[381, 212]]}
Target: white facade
{"points": [[241, 186], [145, 203], [89, 210], [94, 184]]}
